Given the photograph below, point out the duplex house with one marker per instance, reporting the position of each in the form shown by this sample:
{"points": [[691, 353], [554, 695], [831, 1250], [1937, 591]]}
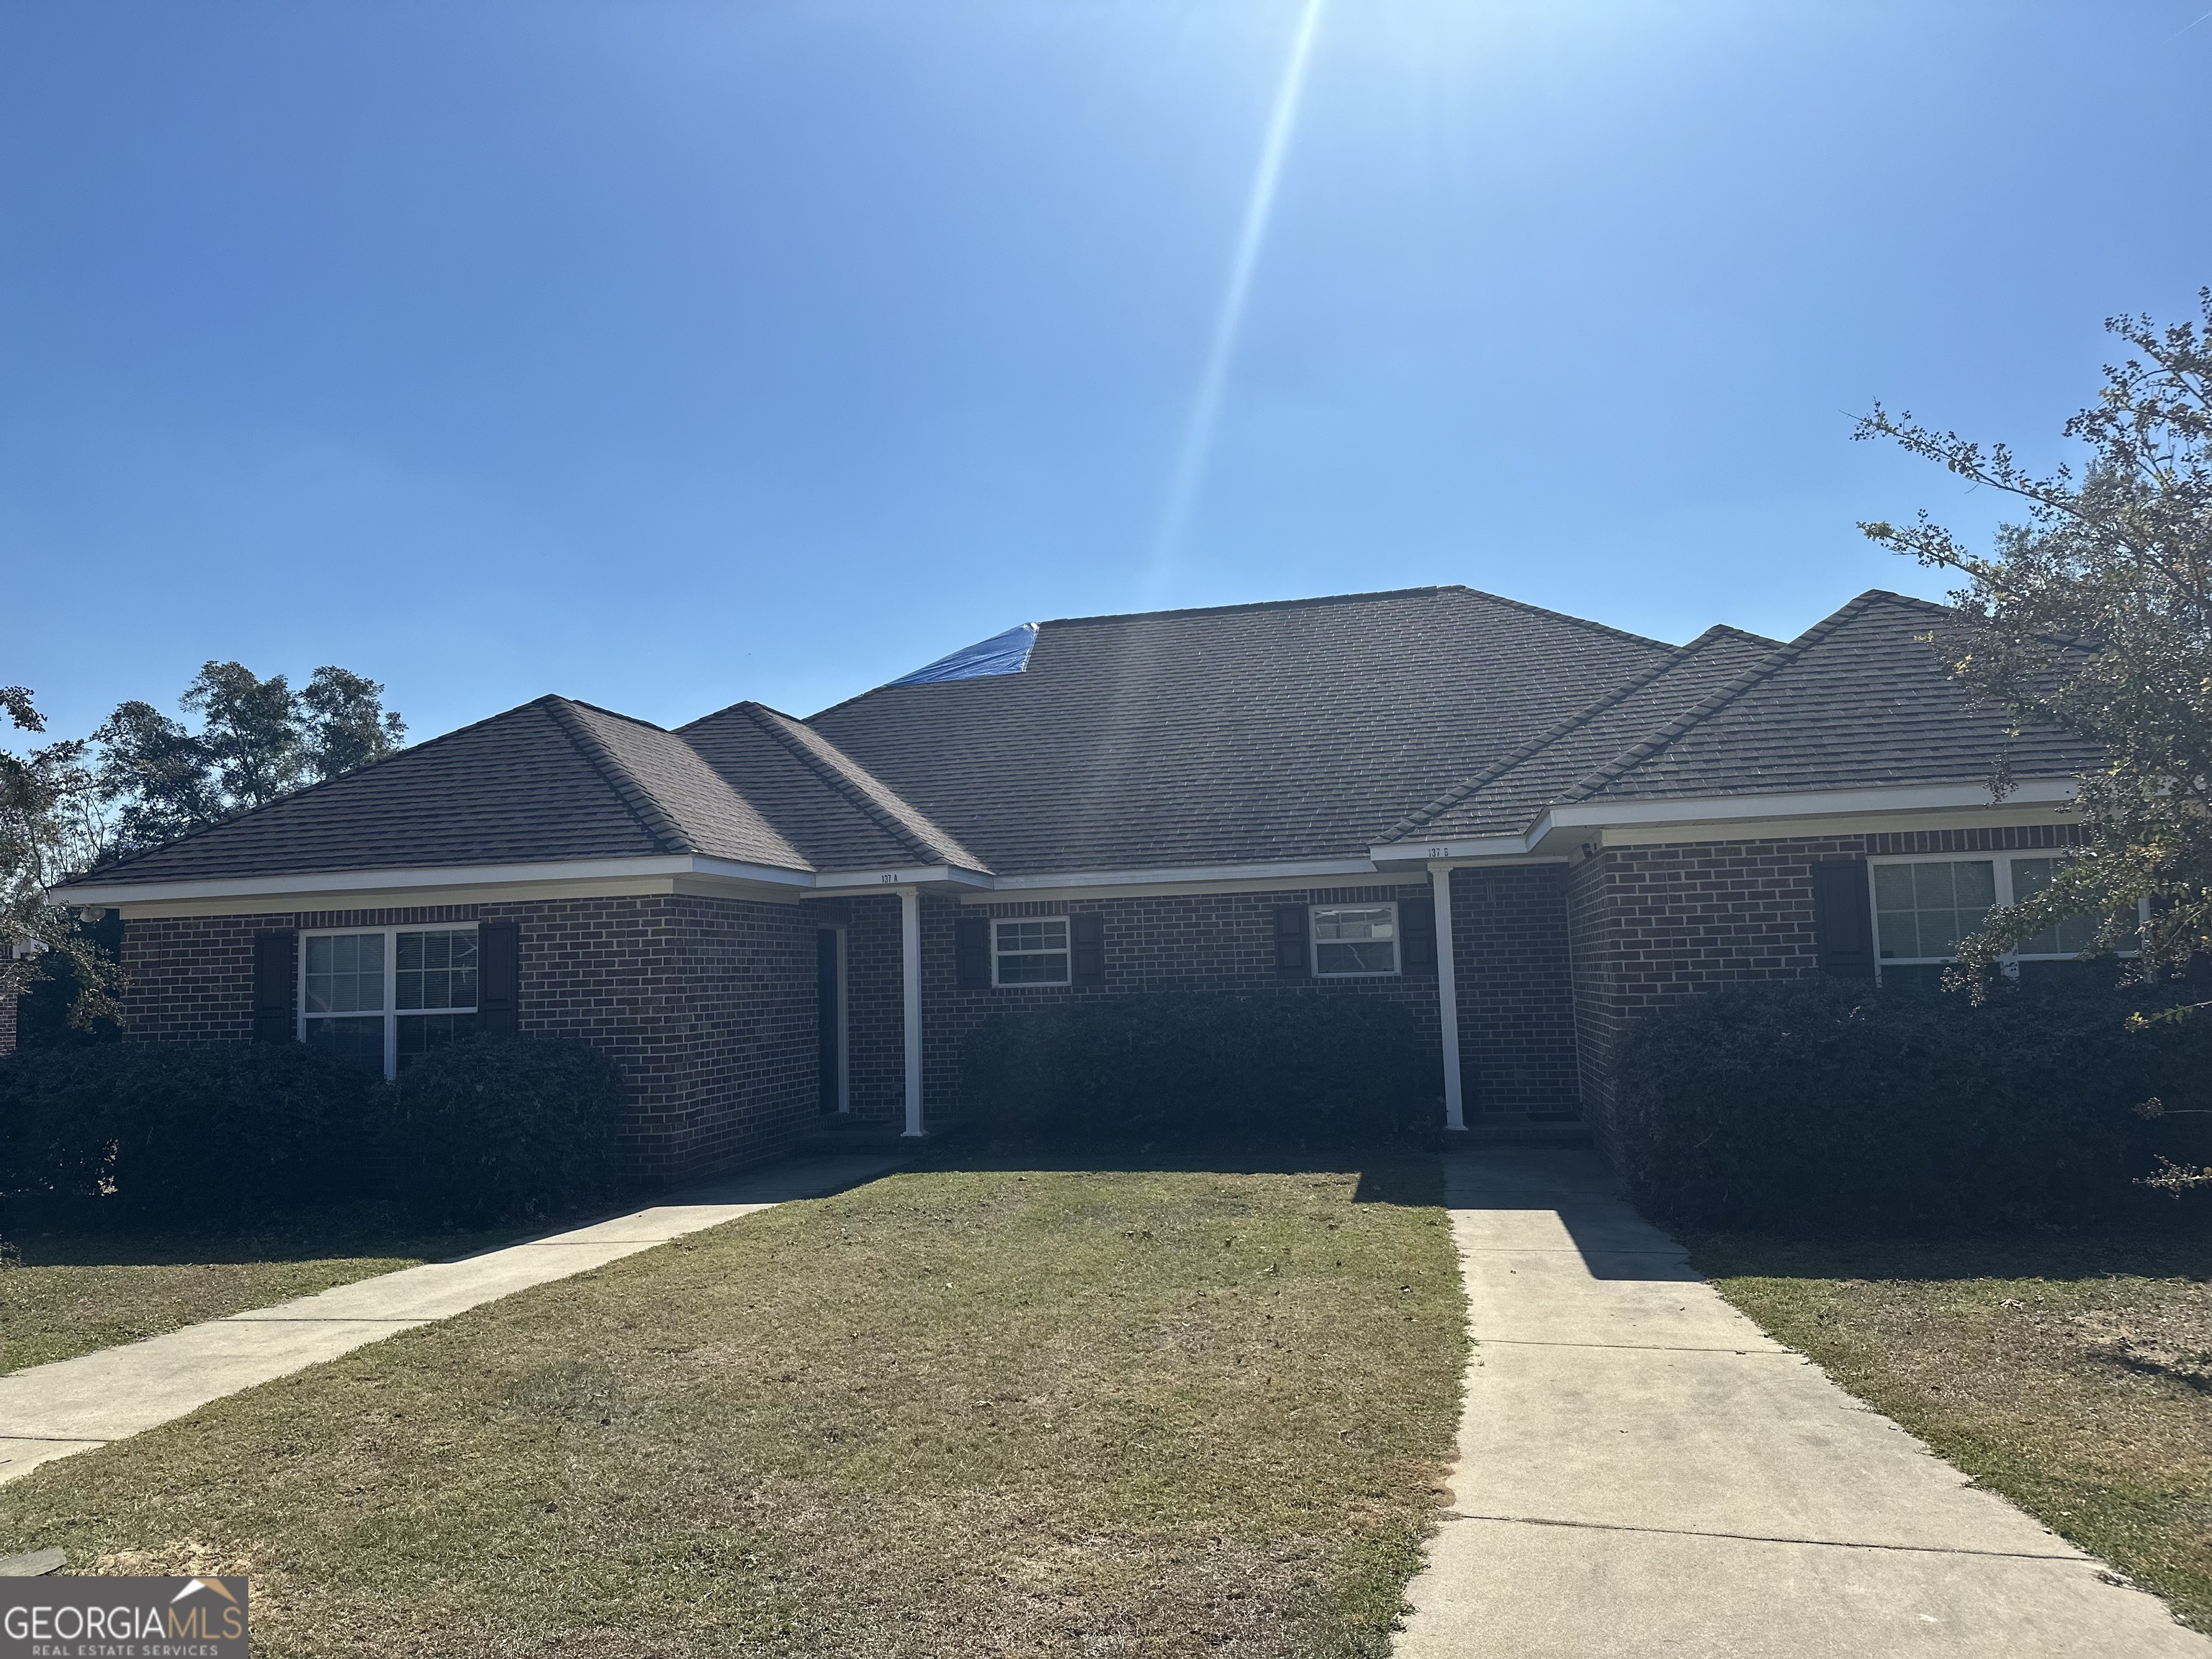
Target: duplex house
{"points": [[1527, 828]]}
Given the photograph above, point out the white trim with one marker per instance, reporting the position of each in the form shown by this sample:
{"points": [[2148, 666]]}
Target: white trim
{"points": [[1066, 952], [845, 883], [391, 1012], [2002, 858], [1719, 808], [1730, 809], [470, 875], [1448, 995], [910, 999], [1206, 873], [1397, 968]]}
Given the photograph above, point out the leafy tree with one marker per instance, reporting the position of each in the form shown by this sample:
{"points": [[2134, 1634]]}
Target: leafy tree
{"points": [[45, 803], [2095, 615], [257, 740]]}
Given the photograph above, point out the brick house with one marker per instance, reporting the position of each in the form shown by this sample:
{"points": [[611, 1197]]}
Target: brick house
{"points": [[1526, 826]]}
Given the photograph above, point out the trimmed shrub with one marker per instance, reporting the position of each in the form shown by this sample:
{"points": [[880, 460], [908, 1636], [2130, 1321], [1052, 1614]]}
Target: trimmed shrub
{"points": [[181, 1134], [503, 1128], [1195, 1068], [1817, 1105]]}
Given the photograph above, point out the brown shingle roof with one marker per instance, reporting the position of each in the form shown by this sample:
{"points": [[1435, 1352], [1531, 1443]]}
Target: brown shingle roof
{"points": [[1237, 734], [1859, 700], [1243, 734]]}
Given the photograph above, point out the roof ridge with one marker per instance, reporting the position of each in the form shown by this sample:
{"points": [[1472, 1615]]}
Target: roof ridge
{"points": [[1738, 633], [1757, 674], [613, 713], [1536, 745], [1247, 604], [1569, 616], [658, 823], [1354, 599], [129, 858], [785, 730]]}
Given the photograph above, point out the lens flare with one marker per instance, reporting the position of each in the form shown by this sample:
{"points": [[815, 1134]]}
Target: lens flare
{"points": [[1205, 417]]}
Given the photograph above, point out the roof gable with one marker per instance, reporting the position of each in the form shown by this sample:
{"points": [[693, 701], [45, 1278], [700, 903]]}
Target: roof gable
{"points": [[1504, 798], [823, 801], [1860, 699], [511, 789]]}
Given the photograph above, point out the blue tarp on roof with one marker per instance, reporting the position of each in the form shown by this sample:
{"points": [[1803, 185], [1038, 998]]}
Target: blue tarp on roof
{"points": [[1002, 653]]}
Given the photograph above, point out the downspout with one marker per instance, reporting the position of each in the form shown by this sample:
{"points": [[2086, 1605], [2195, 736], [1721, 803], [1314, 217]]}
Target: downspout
{"points": [[910, 962], [1448, 995]]}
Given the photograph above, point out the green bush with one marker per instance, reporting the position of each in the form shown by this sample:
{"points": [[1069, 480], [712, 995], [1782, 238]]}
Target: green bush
{"points": [[1193, 1068], [184, 1132], [1816, 1105], [503, 1128]]}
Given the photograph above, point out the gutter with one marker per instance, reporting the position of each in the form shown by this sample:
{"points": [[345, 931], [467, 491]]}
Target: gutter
{"points": [[1728, 809]]}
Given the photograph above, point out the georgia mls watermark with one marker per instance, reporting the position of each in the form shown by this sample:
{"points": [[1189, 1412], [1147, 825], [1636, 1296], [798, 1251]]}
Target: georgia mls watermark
{"points": [[60, 1618]]}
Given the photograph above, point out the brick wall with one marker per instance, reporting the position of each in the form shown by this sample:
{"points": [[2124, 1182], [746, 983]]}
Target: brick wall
{"points": [[708, 1004], [7, 1026], [1652, 925], [1516, 1018], [1516, 1010]]}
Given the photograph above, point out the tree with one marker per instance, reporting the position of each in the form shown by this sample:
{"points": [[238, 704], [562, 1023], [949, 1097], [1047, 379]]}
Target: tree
{"points": [[46, 804], [257, 740], [2095, 615]]}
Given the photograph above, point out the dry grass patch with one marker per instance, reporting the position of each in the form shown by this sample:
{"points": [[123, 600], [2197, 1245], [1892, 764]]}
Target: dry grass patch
{"points": [[962, 1411], [2074, 1375], [72, 1280]]}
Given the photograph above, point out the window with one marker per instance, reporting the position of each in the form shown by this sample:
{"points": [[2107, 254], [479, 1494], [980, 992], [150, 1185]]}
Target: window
{"points": [[1924, 907], [1354, 939], [2068, 937], [386, 994], [1029, 951]]}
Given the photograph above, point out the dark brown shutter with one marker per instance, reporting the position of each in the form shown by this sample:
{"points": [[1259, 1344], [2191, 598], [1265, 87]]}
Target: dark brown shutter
{"points": [[1086, 940], [1417, 932], [275, 1019], [1841, 925], [1292, 960], [971, 953], [499, 978]]}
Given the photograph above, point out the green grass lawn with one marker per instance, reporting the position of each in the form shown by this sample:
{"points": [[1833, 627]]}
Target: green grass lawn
{"points": [[74, 1280], [2072, 1374], [960, 1412]]}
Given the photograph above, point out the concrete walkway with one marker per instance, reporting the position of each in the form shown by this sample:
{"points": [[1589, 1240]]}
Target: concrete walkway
{"points": [[48, 1412], [1643, 1472]]}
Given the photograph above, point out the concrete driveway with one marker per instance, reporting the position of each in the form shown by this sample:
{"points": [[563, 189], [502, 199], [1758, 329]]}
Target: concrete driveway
{"points": [[1644, 1473]]}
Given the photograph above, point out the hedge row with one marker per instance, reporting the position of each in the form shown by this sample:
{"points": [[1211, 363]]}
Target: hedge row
{"points": [[1200, 1068], [1824, 1105], [494, 1128]]}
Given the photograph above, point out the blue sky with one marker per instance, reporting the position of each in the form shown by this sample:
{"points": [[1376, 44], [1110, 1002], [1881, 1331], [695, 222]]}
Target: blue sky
{"points": [[663, 355]]}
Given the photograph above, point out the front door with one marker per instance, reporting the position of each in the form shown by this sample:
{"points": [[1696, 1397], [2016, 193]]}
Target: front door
{"points": [[830, 985]]}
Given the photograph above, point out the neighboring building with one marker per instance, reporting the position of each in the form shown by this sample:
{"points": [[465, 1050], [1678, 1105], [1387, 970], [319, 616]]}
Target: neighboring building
{"points": [[1527, 828]]}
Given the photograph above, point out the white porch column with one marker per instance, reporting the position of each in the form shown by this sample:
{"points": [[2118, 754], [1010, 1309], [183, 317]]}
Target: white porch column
{"points": [[910, 977], [1448, 996]]}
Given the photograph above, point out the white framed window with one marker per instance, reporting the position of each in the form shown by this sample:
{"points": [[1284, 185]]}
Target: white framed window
{"points": [[384, 995], [1925, 903], [1353, 941], [1030, 950]]}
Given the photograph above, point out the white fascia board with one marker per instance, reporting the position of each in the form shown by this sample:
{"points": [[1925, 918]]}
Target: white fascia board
{"points": [[843, 883], [1724, 809], [1195, 872], [1807, 804], [335, 883], [1405, 853]]}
